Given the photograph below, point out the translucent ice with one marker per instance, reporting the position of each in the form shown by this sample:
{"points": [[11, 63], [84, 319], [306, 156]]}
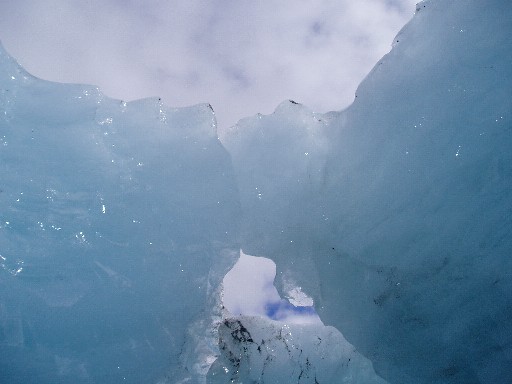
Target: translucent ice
{"points": [[117, 223], [258, 350], [394, 215], [119, 220]]}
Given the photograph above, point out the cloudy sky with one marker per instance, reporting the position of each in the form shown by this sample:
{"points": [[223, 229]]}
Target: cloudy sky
{"points": [[241, 56], [258, 296]]}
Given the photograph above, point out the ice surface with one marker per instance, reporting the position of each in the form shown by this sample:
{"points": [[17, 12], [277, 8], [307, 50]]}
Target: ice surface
{"points": [[395, 214], [297, 348], [259, 350], [119, 220], [117, 223]]}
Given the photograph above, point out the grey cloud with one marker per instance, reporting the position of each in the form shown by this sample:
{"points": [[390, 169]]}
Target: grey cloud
{"points": [[243, 57]]}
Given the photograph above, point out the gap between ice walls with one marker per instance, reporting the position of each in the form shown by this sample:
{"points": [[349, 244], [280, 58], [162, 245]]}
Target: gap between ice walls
{"points": [[120, 220]]}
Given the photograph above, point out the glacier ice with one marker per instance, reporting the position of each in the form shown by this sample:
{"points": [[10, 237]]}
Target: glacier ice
{"points": [[119, 220], [259, 350], [394, 215], [296, 348], [123, 219]]}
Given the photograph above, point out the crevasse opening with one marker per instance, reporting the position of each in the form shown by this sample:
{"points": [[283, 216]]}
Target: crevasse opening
{"points": [[265, 338], [249, 291]]}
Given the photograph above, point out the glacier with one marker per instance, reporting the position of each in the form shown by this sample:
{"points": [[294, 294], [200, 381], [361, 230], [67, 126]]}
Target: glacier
{"points": [[107, 207], [118, 222]]}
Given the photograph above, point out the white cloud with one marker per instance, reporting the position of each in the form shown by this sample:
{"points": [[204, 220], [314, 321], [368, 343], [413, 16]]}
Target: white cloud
{"points": [[248, 286], [241, 56]]}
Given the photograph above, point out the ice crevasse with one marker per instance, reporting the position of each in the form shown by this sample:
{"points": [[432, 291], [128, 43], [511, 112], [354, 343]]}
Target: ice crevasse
{"points": [[119, 220]]}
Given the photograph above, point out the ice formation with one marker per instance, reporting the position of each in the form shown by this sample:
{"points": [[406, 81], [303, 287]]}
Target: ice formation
{"points": [[119, 220], [400, 205], [257, 350]]}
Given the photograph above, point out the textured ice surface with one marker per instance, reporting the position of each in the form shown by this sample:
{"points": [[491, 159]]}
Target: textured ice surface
{"points": [[259, 350], [117, 223], [395, 214], [297, 348], [119, 220]]}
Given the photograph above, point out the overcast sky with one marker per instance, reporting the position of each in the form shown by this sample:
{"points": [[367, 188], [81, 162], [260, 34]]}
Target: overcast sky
{"points": [[252, 294], [241, 56]]}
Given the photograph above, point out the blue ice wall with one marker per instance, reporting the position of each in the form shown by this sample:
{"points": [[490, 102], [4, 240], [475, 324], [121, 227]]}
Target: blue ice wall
{"points": [[118, 221]]}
